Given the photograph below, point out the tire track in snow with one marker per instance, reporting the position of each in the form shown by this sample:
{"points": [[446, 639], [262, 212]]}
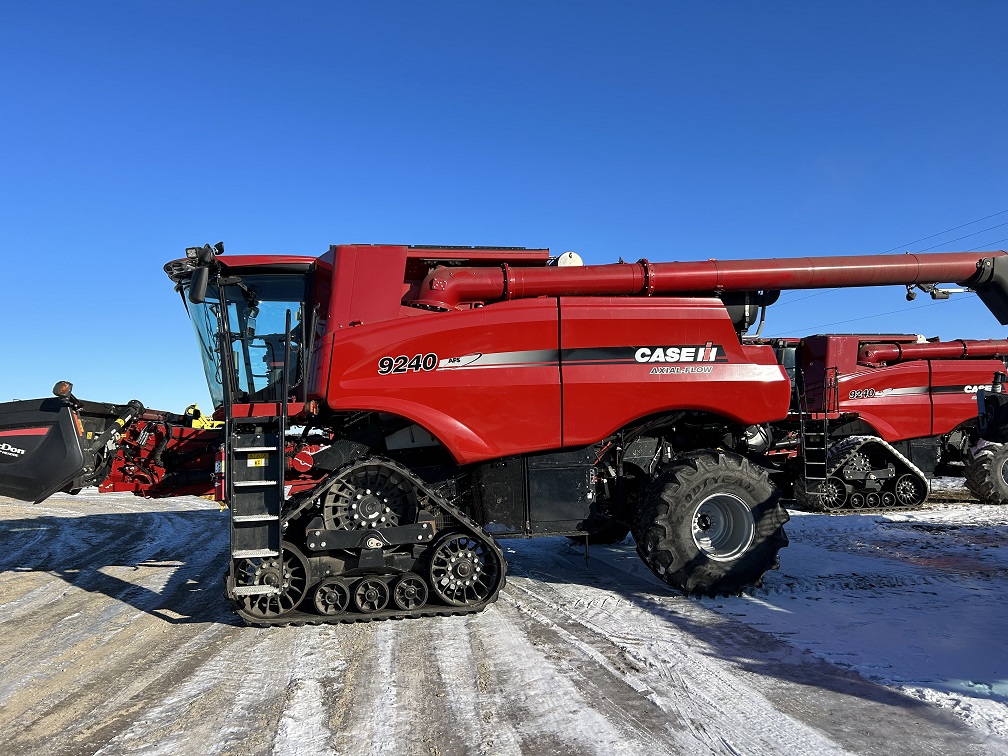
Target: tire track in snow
{"points": [[466, 675], [821, 701], [132, 649], [713, 709], [532, 683]]}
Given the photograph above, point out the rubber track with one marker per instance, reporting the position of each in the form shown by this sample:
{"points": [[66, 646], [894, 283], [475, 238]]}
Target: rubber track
{"points": [[299, 618], [846, 449]]}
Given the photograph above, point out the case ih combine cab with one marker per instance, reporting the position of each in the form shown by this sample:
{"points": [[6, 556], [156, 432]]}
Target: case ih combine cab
{"points": [[389, 412], [874, 418]]}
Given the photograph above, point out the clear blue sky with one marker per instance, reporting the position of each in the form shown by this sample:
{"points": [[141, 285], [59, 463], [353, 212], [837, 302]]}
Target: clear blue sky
{"points": [[670, 130]]}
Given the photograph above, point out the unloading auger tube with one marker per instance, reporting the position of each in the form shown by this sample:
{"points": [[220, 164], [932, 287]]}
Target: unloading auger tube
{"points": [[447, 288], [874, 354]]}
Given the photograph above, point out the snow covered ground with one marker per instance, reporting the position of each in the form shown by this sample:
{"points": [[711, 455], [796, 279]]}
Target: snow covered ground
{"points": [[915, 601], [879, 634]]}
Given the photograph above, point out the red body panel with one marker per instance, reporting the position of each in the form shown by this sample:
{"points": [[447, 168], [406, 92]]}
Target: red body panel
{"points": [[492, 385], [895, 401], [493, 389], [605, 386]]}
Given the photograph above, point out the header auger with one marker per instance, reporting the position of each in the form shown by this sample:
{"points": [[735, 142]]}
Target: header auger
{"points": [[383, 414]]}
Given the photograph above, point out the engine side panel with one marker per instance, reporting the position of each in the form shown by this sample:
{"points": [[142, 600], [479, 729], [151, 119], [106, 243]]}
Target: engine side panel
{"points": [[624, 359]]}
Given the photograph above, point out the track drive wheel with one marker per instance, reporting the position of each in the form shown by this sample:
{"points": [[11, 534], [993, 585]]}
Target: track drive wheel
{"points": [[987, 473], [711, 523]]}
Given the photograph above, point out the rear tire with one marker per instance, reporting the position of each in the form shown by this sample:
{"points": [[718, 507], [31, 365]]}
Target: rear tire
{"points": [[986, 473], [711, 523]]}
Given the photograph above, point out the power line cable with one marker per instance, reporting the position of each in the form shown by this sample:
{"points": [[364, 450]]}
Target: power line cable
{"points": [[960, 238], [947, 230], [876, 315], [792, 300], [988, 244]]}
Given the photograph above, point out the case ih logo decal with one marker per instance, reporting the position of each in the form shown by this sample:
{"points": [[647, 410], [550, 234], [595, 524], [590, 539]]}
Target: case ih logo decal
{"points": [[974, 389], [692, 353]]}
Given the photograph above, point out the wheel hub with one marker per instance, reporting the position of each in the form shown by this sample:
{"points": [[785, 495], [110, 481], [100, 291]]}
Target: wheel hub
{"points": [[464, 567], [369, 507], [723, 527], [372, 495]]}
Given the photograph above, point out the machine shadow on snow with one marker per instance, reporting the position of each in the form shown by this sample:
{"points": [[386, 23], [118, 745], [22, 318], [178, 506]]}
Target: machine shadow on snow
{"points": [[82, 548], [760, 652]]}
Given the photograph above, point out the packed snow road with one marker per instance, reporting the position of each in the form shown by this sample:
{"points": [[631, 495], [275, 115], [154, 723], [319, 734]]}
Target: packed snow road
{"points": [[880, 634]]}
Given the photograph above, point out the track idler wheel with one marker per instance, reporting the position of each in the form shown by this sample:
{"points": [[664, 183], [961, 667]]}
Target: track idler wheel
{"points": [[291, 577], [370, 595], [834, 494], [332, 597], [410, 592], [909, 491], [463, 570]]}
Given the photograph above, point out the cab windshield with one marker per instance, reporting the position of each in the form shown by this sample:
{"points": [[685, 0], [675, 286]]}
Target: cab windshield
{"points": [[255, 321]]}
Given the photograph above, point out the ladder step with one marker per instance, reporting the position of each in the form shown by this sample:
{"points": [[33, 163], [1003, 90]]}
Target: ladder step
{"points": [[255, 518], [253, 553], [253, 448], [256, 590], [238, 483]]}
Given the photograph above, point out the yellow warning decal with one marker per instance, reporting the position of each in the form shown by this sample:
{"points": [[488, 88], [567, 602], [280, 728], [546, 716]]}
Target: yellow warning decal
{"points": [[257, 459]]}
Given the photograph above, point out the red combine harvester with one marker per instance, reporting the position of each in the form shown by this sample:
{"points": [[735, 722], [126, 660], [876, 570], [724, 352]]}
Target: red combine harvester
{"points": [[389, 412], [874, 417]]}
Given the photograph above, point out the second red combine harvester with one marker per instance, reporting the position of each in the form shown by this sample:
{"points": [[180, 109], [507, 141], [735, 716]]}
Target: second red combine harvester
{"points": [[874, 417], [389, 412]]}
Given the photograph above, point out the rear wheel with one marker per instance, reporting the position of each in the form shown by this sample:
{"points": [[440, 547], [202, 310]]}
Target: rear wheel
{"points": [[711, 523], [987, 473]]}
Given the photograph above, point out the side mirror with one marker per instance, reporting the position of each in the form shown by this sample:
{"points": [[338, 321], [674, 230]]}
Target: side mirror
{"points": [[198, 285]]}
